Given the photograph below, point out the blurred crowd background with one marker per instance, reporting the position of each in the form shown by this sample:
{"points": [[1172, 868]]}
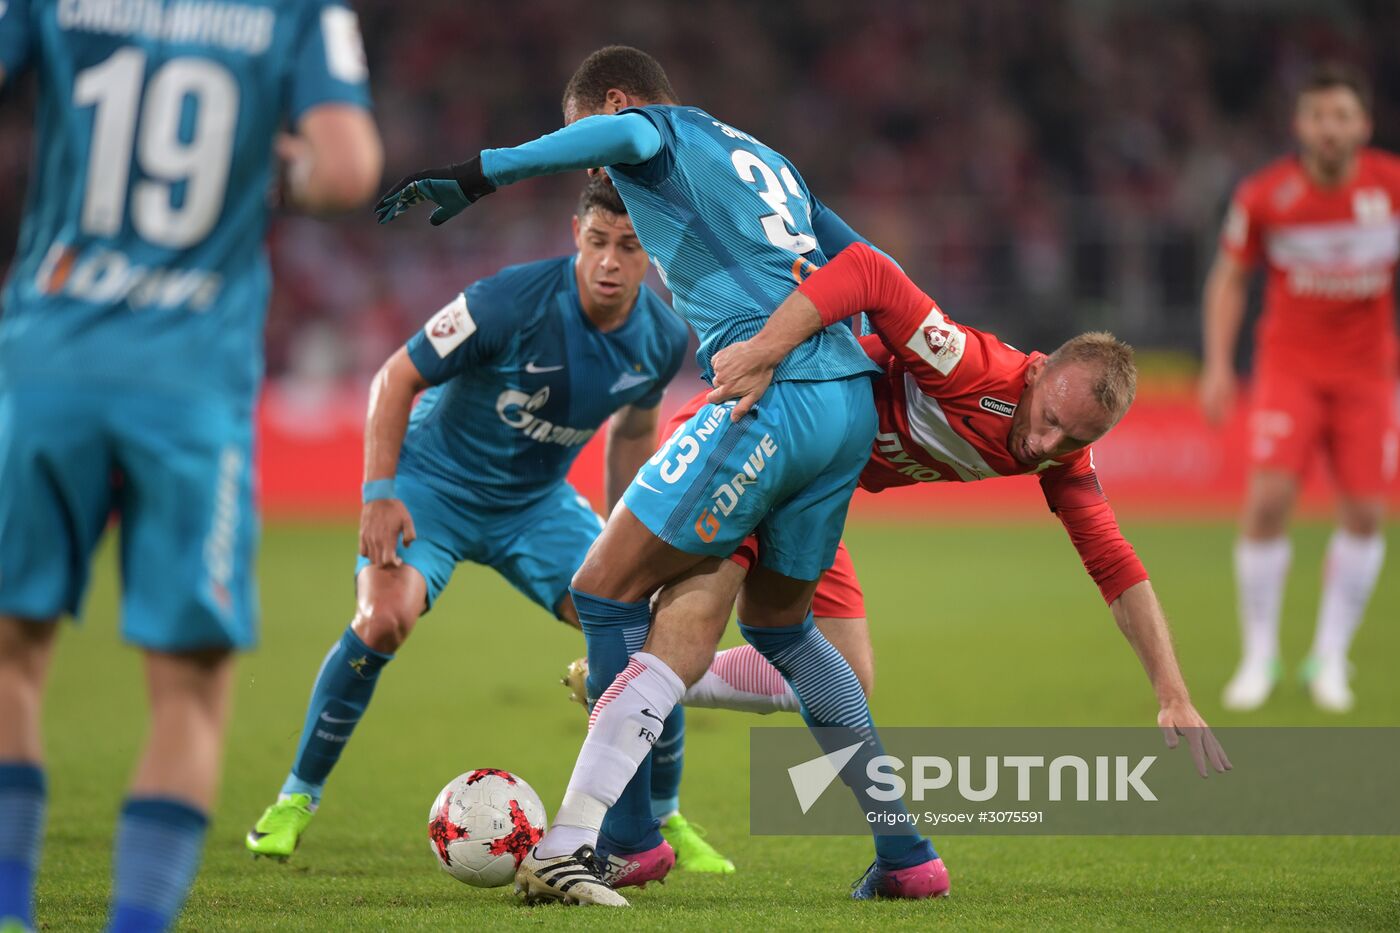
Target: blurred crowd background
{"points": [[1039, 166]]}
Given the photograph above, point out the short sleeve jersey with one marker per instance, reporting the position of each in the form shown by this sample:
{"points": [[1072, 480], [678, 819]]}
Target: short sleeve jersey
{"points": [[140, 255], [727, 222], [1329, 300], [522, 379]]}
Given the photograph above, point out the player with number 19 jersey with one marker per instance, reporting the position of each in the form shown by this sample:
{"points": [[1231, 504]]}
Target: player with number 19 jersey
{"points": [[132, 327]]}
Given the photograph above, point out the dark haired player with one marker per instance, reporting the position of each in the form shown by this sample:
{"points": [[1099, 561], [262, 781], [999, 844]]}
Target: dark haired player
{"points": [[521, 369], [731, 226], [1324, 223]]}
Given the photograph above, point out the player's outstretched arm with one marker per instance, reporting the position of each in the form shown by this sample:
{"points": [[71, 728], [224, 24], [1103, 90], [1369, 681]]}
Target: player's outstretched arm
{"points": [[333, 161], [615, 139], [384, 517], [1140, 618]]}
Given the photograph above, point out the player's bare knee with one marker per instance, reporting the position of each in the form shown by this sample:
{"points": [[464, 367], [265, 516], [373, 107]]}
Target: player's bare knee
{"points": [[1266, 517], [385, 624], [1362, 518], [1268, 504], [390, 602], [592, 576], [25, 647]]}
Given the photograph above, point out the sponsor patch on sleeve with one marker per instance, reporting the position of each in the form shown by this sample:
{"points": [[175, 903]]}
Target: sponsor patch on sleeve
{"points": [[345, 50], [939, 342], [449, 328]]}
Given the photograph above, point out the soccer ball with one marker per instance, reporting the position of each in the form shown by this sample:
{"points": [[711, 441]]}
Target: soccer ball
{"points": [[482, 824]]}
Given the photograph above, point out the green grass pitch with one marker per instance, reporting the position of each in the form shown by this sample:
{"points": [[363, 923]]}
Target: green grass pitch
{"points": [[976, 625]]}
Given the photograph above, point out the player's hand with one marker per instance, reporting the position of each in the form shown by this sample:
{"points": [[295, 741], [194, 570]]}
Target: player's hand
{"points": [[1181, 719], [1218, 388], [452, 188], [743, 371], [381, 523]]}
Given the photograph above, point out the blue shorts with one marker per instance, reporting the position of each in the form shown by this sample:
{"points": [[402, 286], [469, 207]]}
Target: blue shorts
{"points": [[786, 470], [537, 549], [176, 470]]}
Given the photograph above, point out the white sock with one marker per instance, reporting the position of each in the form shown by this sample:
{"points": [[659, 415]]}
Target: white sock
{"points": [[1353, 564], [742, 679], [1261, 569], [620, 735]]}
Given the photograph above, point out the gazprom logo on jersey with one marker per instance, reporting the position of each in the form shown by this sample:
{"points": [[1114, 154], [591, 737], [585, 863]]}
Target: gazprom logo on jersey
{"points": [[517, 409], [108, 276]]}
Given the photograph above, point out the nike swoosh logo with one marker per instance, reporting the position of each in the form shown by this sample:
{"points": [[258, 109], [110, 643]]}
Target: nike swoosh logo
{"points": [[530, 367], [329, 718], [973, 428], [650, 714], [645, 485]]}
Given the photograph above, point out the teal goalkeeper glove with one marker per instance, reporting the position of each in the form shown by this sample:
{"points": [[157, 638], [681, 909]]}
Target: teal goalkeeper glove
{"points": [[452, 188]]}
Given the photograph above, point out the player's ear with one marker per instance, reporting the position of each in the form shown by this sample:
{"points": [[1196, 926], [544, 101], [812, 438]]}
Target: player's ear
{"points": [[615, 100], [577, 241], [1035, 370]]}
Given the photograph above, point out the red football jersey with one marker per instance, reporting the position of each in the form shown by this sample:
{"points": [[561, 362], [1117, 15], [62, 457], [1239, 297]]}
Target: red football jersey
{"points": [[1329, 302], [946, 402]]}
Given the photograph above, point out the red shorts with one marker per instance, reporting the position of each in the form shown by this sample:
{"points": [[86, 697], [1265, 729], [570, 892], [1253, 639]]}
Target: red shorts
{"points": [[838, 593], [1352, 422]]}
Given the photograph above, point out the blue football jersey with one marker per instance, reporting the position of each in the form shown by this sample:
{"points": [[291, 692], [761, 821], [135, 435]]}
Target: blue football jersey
{"points": [[522, 379], [727, 222], [141, 252]]}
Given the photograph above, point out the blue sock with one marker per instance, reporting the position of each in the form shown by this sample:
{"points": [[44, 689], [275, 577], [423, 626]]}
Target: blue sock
{"points": [[159, 842], [667, 762], [338, 700], [613, 631], [836, 709], [21, 832]]}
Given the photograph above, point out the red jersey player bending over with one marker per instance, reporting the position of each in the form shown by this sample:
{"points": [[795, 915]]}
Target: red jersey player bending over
{"points": [[958, 405], [955, 405], [1325, 225]]}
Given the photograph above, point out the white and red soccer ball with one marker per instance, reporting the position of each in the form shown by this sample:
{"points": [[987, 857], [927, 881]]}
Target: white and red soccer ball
{"points": [[482, 824]]}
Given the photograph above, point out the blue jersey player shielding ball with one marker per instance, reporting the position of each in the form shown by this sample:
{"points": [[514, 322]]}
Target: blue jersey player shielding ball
{"points": [[130, 354], [732, 227], [521, 369]]}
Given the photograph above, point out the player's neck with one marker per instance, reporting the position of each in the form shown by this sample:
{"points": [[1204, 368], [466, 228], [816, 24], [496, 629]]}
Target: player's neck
{"points": [[603, 318], [1324, 176]]}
